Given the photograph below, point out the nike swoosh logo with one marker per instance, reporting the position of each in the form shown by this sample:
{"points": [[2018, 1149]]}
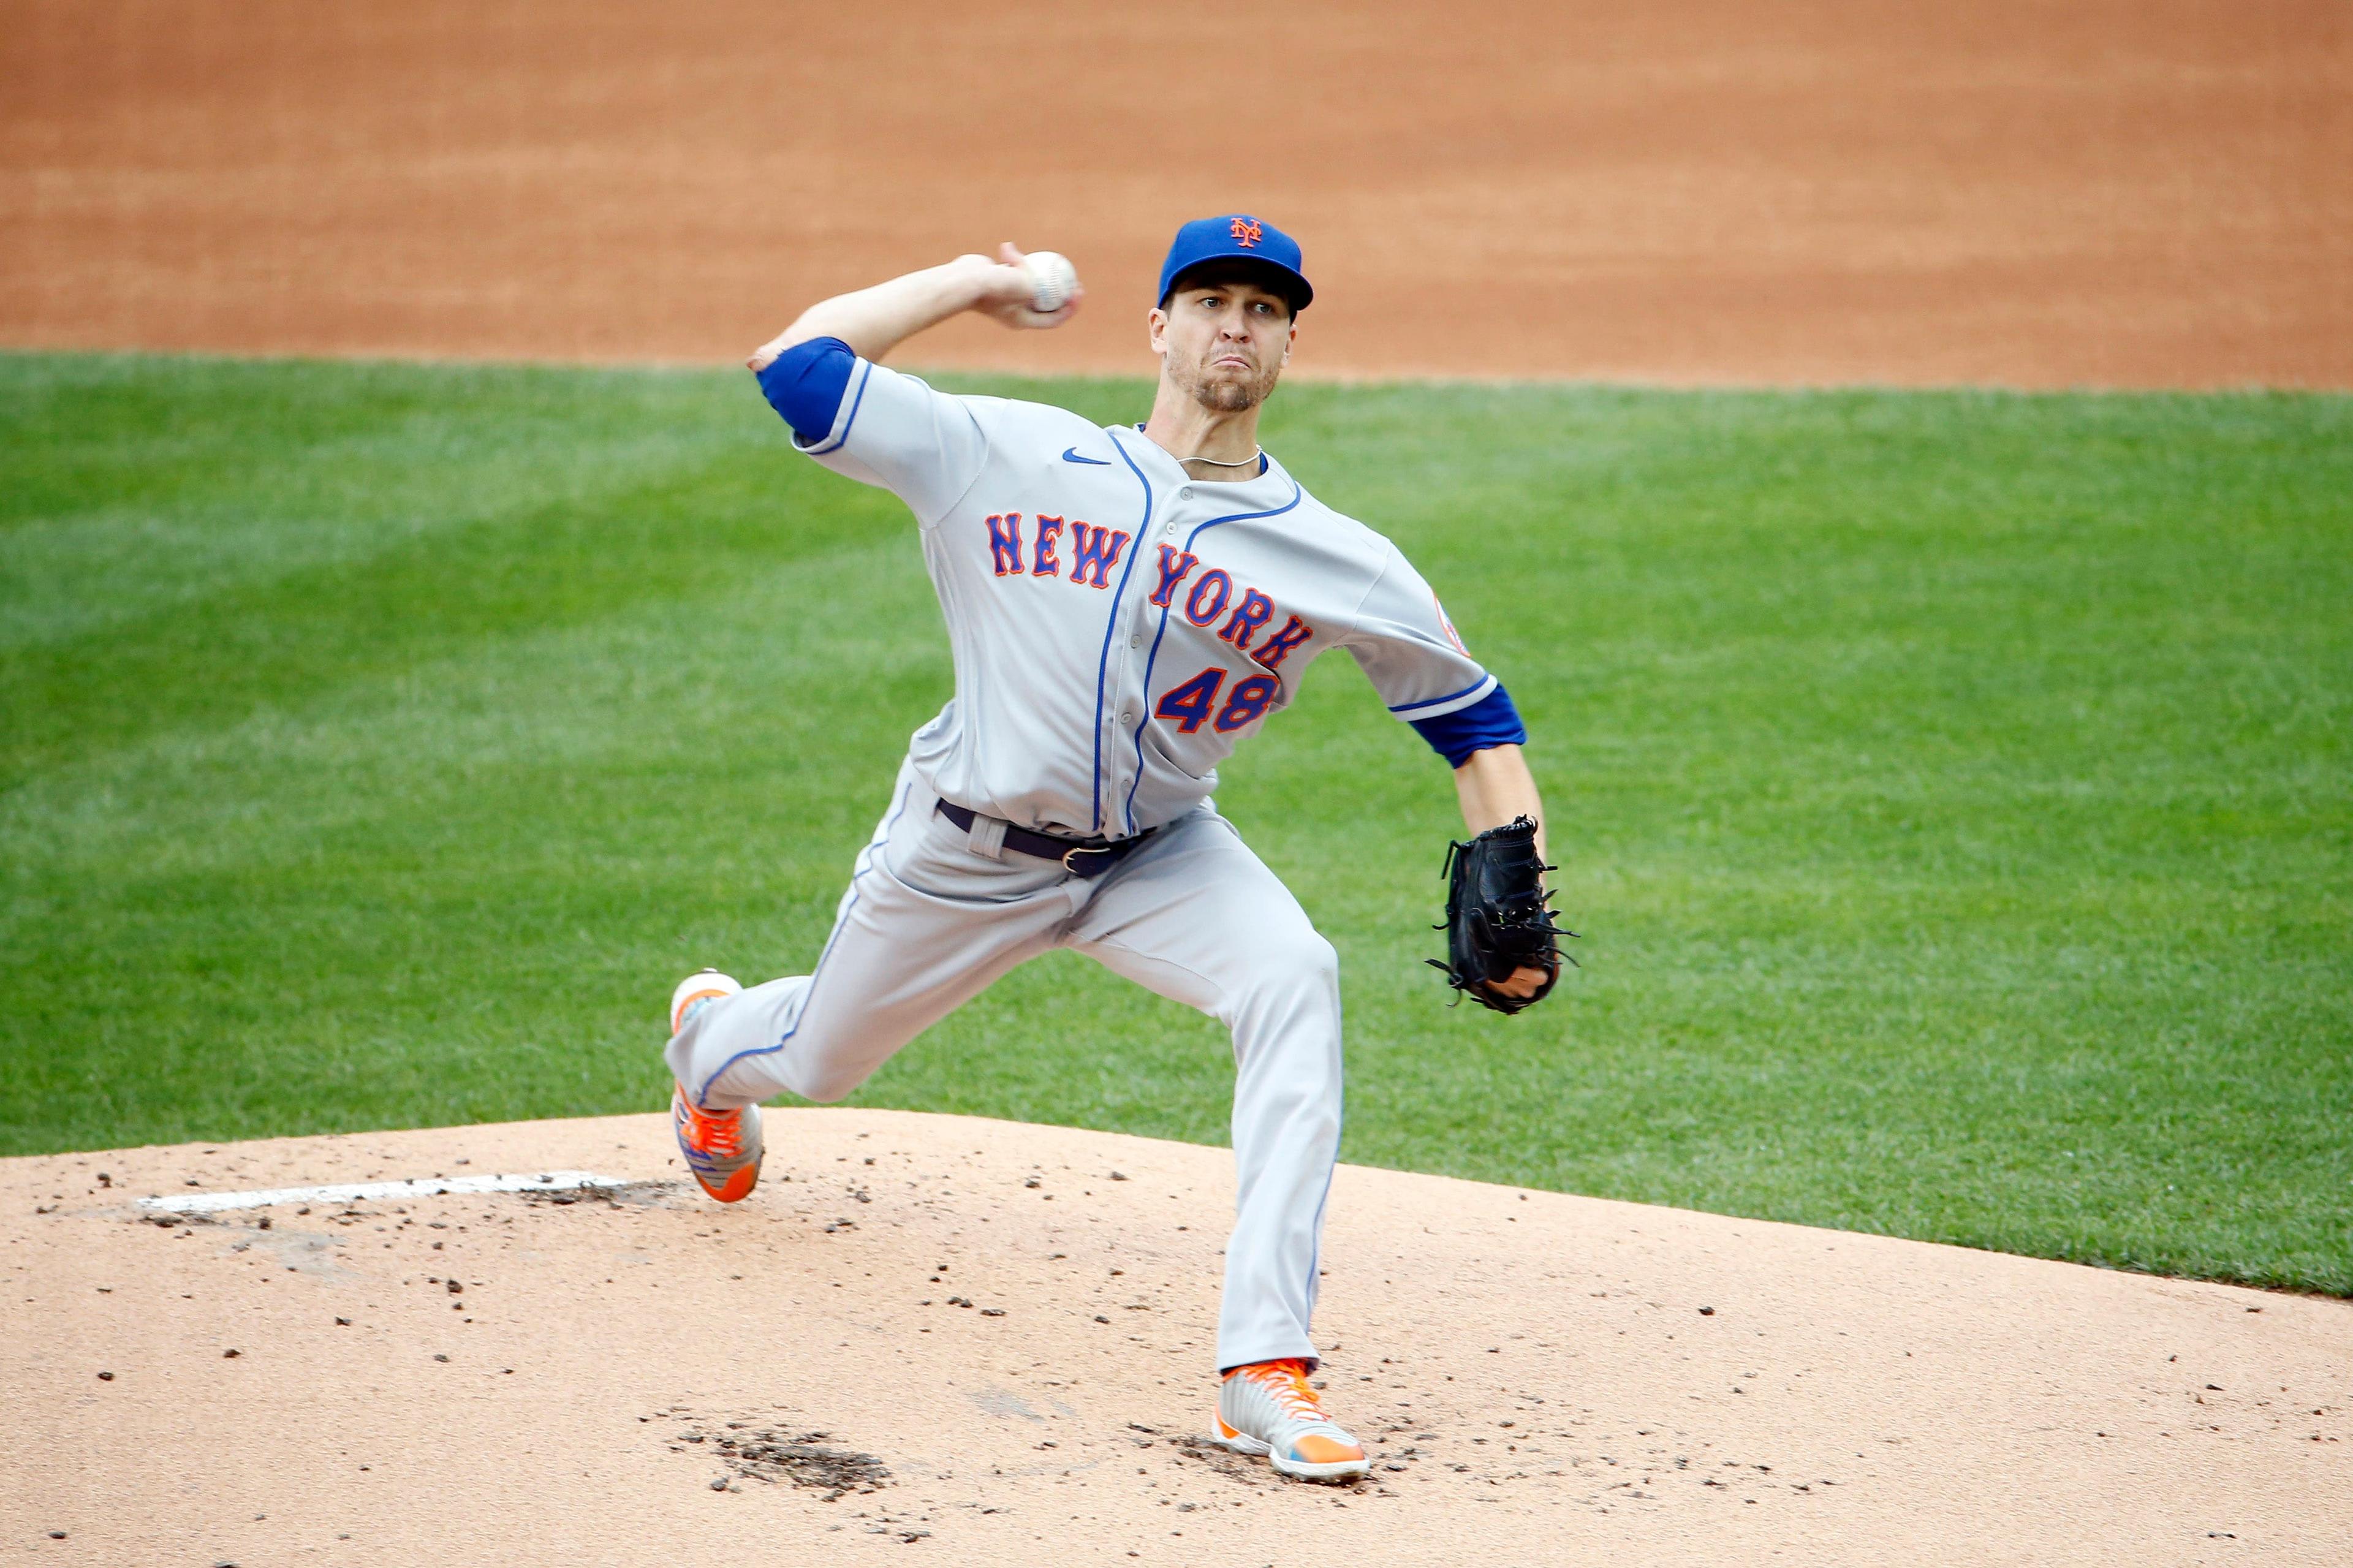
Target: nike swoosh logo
{"points": [[1073, 457]]}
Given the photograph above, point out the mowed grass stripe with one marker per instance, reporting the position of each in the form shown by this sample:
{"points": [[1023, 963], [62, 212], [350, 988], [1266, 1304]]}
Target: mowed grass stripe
{"points": [[1950, 785]]}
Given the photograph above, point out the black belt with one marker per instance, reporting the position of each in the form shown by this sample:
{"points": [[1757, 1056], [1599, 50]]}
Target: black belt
{"points": [[1088, 857]]}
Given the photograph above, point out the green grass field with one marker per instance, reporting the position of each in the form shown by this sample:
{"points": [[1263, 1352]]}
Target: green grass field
{"points": [[1953, 788]]}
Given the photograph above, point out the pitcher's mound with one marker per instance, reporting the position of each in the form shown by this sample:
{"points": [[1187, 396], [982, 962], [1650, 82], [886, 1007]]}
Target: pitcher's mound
{"points": [[937, 1339]]}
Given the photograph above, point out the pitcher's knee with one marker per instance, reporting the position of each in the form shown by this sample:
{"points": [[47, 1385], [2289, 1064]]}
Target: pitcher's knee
{"points": [[1302, 969], [1301, 951], [825, 1088], [1324, 960]]}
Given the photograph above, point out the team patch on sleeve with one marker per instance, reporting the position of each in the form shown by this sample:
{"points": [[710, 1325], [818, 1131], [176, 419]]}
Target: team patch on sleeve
{"points": [[1408, 648], [1446, 624]]}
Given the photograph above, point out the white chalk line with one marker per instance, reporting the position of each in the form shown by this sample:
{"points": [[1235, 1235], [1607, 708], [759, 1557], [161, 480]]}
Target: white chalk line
{"points": [[356, 1192]]}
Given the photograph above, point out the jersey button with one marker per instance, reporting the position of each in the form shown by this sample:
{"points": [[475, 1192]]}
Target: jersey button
{"points": [[1126, 718], [1135, 641], [1185, 494]]}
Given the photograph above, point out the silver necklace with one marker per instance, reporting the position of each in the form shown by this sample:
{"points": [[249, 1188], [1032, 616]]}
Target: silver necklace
{"points": [[1220, 463]]}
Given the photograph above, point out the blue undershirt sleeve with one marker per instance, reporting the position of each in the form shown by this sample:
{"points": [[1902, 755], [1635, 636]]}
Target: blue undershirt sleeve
{"points": [[805, 382], [1490, 722]]}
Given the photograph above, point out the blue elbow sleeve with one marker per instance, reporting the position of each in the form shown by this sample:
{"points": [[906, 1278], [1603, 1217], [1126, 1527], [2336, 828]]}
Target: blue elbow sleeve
{"points": [[805, 382], [1490, 722]]}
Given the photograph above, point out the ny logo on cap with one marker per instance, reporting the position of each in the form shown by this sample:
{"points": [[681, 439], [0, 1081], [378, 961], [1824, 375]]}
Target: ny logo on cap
{"points": [[1246, 232]]}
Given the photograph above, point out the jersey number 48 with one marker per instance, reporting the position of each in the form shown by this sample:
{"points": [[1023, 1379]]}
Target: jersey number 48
{"points": [[1189, 705]]}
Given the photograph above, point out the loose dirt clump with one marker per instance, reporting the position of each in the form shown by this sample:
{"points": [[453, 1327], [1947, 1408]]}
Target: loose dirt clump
{"points": [[1234, 1467], [648, 1194], [802, 1460]]}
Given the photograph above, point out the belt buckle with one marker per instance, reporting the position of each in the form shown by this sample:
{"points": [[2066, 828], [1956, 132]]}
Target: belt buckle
{"points": [[1082, 849]]}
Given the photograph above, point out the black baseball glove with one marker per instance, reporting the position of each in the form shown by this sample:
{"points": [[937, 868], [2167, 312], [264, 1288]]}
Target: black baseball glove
{"points": [[1496, 917]]}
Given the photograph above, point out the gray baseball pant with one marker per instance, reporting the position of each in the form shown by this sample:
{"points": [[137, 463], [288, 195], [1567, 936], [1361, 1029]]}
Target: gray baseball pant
{"points": [[931, 917]]}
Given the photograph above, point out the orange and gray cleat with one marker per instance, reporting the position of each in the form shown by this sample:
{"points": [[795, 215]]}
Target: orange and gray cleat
{"points": [[721, 1147], [1268, 1408]]}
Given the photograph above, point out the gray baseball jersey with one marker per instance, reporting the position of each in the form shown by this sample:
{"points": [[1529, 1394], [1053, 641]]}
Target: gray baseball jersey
{"points": [[1117, 627]]}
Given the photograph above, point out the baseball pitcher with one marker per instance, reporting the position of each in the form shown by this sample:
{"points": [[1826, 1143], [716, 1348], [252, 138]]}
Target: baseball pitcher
{"points": [[1124, 604]]}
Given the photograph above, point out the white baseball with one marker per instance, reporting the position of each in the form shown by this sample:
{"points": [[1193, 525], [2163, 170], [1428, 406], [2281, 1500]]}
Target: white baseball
{"points": [[1053, 281]]}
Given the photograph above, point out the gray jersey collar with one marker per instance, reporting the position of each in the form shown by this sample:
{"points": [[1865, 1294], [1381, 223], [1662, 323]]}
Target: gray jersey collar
{"points": [[1165, 472]]}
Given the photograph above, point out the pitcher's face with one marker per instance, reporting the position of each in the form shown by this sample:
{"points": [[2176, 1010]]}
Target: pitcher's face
{"points": [[1224, 342]]}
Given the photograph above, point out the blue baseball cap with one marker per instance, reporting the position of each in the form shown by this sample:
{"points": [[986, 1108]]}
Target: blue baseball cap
{"points": [[1236, 237]]}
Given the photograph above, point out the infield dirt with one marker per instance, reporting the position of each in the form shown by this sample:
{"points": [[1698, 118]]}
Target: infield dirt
{"points": [[2146, 193], [939, 1338]]}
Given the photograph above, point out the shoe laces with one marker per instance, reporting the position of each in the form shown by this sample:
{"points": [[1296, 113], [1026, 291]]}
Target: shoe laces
{"points": [[1285, 1382], [719, 1132]]}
